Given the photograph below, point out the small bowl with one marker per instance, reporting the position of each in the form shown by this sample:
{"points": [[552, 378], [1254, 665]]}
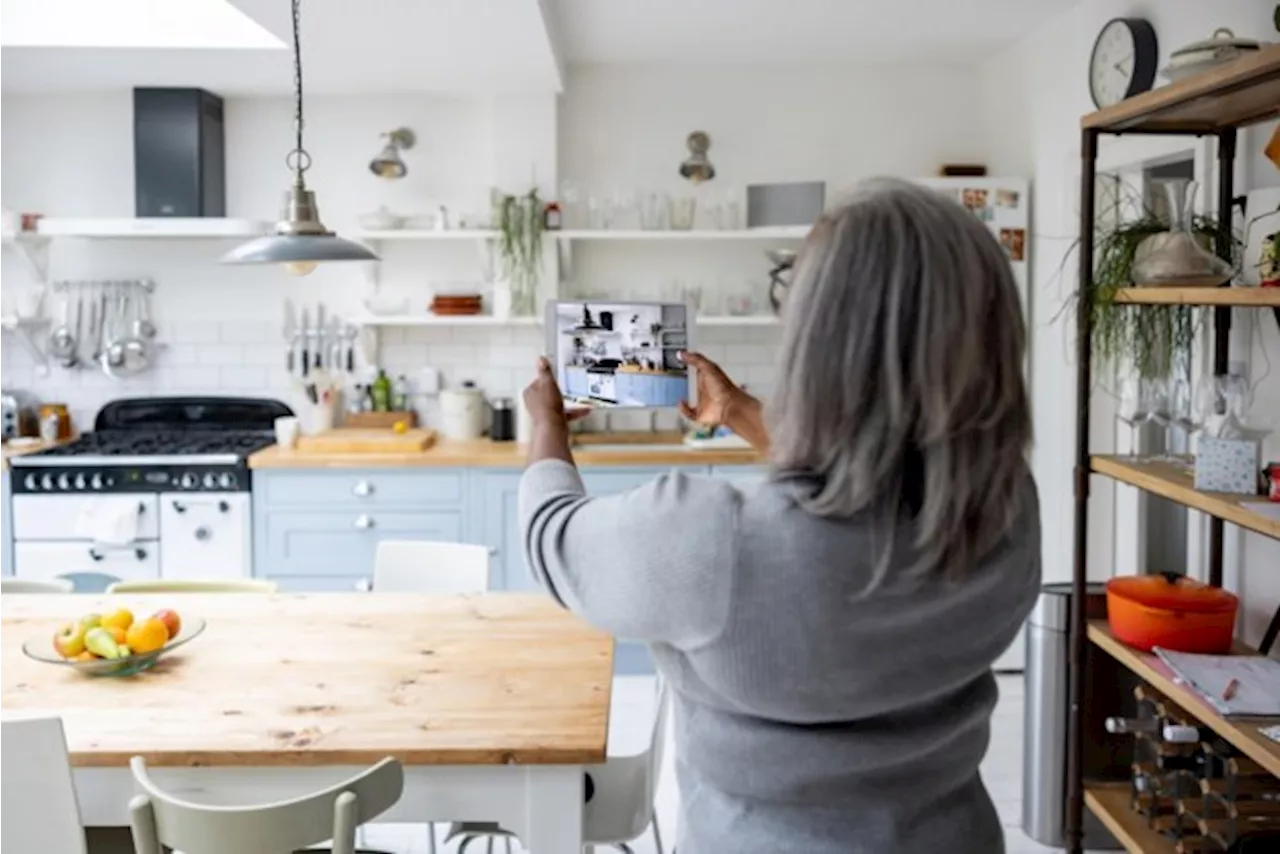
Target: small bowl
{"points": [[385, 305], [41, 649], [380, 220]]}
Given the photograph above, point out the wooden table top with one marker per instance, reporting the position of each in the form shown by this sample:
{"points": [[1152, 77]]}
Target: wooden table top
{"points": [[329, 679]]}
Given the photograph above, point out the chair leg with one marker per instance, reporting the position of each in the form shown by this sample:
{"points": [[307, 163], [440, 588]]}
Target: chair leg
{"points": [[431, 837], [507, 840], [462, 846], [489, 848], [623, 847], [657, 835]]}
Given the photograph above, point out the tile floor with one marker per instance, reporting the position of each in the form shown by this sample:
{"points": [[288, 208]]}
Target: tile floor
{"points": [[632, 712]]}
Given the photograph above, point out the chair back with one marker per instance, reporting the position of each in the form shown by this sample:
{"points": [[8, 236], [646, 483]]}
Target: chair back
{"points": [[161, 585], [89, 582], [158, 819], [22, 585], [657, 737], [422, 566], [41, 813]]}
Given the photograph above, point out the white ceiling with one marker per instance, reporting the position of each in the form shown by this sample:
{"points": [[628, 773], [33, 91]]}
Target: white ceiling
{"points": [[790, 32], [473, 46]]}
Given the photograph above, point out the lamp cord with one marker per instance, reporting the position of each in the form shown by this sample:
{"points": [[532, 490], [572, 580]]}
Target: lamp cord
{"points": [[298, 160]]}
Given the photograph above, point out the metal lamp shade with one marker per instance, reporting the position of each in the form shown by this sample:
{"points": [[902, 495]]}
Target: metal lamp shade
{"points": [[287, 248]]}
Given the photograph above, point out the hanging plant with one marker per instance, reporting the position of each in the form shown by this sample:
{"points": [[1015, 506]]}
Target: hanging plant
{"points": [[519, 223]]}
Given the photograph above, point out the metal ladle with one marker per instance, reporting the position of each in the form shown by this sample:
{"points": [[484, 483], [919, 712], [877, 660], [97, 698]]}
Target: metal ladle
{"points": [[62, 341]]}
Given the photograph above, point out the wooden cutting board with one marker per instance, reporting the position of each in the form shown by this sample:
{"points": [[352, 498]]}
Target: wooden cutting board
{"points": [[355, 440]]}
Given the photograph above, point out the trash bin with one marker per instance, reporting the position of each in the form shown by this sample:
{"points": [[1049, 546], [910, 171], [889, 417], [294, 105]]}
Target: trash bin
{"points": [[1044, 728]]}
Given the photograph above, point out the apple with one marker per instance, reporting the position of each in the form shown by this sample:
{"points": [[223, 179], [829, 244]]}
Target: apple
{"points": [[69, 640], [90, 621], [172, 622]]}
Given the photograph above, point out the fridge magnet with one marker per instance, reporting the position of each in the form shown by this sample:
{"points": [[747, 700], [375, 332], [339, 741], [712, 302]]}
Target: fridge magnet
{"points": [[1014, 241], [974, 199], [1006, 198]]}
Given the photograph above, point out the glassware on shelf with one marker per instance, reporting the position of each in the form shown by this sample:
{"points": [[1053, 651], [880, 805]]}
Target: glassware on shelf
{"points": [[571, 200], [1160, 412], [1134, 409], [1176, 257], [654, 211], [693, 297], [596, 213], [732, 217], [682, 211]]}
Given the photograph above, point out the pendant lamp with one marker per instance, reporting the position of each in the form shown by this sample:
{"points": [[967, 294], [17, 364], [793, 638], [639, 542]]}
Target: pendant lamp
{"points": [[300, 241]]}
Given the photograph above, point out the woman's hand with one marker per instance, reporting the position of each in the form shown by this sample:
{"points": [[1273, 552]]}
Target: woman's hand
{"points": [[545, 404], [722, 401]]}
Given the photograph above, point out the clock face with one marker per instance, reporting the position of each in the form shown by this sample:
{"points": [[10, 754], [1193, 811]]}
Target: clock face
{"points": [[1113, 65]]}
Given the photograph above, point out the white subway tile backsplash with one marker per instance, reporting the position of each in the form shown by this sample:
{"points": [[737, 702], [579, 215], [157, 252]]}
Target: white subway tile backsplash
{"points": [[191, 331], [221, 354], [190, 379], [264, 354], [249, 332], [242, 377], [177, 355]]}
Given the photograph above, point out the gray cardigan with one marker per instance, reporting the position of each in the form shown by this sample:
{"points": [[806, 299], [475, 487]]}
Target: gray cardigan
{"points": [[812, 716]]}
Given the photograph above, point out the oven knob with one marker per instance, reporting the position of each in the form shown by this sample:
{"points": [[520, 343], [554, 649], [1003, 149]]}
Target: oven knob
{"points": [[227, 480], [188, 481], [46, 482], [30, 483], [79, 481], [64, 482], [95, 482], [210, 482]]}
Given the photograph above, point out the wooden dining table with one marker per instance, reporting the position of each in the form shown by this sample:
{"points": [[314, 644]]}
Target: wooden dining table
{"points": [[493, 702]]}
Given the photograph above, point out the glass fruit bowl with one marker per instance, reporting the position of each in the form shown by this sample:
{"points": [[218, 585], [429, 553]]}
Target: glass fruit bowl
{"points": [[41, 649]]}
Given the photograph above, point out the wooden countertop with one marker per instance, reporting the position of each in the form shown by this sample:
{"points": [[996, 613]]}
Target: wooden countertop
{"points": [[7, 450], [485, 454], [329, 679]]}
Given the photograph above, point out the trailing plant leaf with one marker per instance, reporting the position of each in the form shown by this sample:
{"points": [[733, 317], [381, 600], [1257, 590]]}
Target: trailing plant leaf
{"points": [[519, 223]]}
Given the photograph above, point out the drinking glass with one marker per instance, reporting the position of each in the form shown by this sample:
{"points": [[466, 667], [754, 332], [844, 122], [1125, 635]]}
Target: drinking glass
{"points": [[653, 212], [1160, 412], [571, 201], [732, 218], [1134, 408], [682, 210], [596, 213], [1182, 409]]}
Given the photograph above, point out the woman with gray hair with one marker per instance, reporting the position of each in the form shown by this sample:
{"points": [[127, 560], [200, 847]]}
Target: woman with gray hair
{"points": [[829, 636]]}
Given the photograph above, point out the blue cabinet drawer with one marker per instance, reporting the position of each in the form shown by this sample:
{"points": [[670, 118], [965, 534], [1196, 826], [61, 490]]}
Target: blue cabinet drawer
{"points": [[359, 488], [342, 542]]}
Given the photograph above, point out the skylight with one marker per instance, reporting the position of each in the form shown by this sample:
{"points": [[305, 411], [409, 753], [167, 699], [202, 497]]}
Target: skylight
{"points": [[201, 24]]}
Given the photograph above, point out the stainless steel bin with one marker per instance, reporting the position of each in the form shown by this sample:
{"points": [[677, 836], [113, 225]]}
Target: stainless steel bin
{"points": [[1044, 726]]}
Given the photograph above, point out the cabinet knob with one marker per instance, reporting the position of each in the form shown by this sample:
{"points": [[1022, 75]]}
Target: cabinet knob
{"points": [[363, 488], [364, 521]]}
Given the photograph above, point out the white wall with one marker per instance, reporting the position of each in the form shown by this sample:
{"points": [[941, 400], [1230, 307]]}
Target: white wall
{"points": [[614, 129], [1034, 95]]}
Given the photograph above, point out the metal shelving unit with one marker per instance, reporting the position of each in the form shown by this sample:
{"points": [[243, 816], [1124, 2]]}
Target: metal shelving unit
{"points": [[1215, 103]]}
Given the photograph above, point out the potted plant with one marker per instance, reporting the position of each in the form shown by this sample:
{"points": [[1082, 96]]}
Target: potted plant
{"points": [[519, 222]]}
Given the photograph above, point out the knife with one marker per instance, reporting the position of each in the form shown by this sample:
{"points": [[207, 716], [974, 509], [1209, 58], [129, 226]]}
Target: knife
{"points": [[319, 336], [306, 330], [290, 330]]}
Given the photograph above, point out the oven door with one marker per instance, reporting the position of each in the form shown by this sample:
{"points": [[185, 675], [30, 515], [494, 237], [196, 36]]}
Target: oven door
{"points": [[205, 535], [49, 561]]}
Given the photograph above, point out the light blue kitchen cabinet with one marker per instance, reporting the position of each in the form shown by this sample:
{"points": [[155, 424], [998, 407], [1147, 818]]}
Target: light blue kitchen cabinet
{"points": [[343, 542], [6, 525], [575, 381]]}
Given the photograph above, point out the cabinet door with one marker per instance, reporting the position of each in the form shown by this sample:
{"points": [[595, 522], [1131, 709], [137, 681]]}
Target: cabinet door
{"points": [[341, 542], [6, 526]]}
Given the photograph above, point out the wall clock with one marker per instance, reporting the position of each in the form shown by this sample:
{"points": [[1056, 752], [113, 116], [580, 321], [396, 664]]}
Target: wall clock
{"points": [[1123, 62]]}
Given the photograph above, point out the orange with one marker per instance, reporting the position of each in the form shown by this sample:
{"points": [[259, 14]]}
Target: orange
{"points": [[147, 636], [117, 634], [121, 618], [84, 656]]}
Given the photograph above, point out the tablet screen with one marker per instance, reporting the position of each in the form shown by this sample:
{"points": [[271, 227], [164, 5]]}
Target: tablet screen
{"points": [[622, 355]]}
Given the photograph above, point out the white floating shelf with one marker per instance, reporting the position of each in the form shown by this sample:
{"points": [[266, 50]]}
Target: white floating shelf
{"points": [[790, 232], [442, 320], [738, 320], [174, 228], [427, 234]]}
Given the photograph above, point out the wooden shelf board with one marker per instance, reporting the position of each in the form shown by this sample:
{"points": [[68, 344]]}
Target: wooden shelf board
{"points": [[442, 320], [1243, 734], [1237, 94], [1169, 481], [426, 234], [1110, 803], [1261, 297]]}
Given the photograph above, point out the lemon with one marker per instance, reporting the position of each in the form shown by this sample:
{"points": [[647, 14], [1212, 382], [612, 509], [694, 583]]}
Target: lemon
{"points": [[400, 427]]}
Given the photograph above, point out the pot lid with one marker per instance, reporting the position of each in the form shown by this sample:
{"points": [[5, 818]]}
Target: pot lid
{"points": [[1172, 592], [1222, 37]]}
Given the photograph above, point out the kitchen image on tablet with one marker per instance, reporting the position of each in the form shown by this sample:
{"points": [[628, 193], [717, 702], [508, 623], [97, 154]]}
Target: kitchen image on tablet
{"points": [[619, 354]]}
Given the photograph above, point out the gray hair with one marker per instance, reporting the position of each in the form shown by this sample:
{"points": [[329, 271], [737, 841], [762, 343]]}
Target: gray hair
{"points": [[900, 384]]}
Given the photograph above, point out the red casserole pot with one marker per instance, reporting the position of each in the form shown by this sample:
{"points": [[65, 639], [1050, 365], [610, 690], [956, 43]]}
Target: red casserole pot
{"points": [[1171, 611]]}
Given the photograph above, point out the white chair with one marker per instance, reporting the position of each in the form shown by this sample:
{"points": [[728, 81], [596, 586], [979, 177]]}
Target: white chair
{"points": [[41, 813], [423, 566], [159, 819], [621, 805], [22, 585], [161, 585]]}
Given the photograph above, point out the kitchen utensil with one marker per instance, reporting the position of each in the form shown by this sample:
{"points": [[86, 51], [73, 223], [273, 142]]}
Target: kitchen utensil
{"points": [[290, 336], [59, 416], [62, 341], [462, 412], [319, 340], [125, 355], [41, 649], [1171, 611], [348, 440], [143, 328], [349, 333], [287, 428], [1221, 47], [502, 427], [304, 334], [94, 336]]}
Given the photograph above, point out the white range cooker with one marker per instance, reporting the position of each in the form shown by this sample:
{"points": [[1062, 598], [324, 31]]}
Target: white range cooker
{"points": [[159, 489]]}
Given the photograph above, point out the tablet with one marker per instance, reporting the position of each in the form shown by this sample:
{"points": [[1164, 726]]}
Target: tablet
{"points": [[620, 354]]}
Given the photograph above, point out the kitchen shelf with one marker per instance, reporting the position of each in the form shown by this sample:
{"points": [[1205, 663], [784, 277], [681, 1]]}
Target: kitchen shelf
{"points": [[1169, 481], [1259, 297], [34, 251], [147, 228], [1236, 94], [442, 320], [1244, 735], [1110, 803], [407, 234], [788, 232]]}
